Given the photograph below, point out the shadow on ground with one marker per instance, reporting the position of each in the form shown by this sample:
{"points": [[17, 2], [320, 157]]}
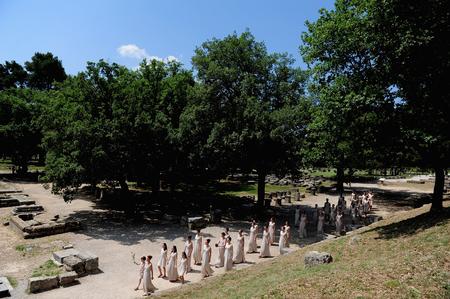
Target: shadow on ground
{"points": [[412, 225]]}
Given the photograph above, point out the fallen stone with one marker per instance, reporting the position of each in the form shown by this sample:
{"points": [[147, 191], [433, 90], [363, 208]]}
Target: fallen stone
{"points": [[313, 258], [59, 256], [90, 261], [5, 287], [67, 278], [42, 283], [73, 263], [68, 246]]}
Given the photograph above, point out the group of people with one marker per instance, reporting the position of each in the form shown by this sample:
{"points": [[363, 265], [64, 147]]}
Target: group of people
{"points": [[199, 252], [330, 214]]}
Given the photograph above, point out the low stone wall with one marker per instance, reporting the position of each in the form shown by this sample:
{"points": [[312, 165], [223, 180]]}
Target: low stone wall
{"points": [[33, 229]]}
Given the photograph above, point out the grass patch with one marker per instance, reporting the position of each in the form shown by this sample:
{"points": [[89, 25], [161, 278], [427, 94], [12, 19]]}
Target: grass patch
{"points": [[49, 268], [12, 281], [375, 267], [21, 248]]}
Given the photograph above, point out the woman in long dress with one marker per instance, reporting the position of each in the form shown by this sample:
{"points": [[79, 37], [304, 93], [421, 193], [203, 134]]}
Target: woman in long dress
{"points": [[252, 245], [206, 269], [265, 246], [228, 255], [141, 271], [339, 223], [320, 223], [287, 229], [188, 248], [172, 271], [271, 231], [221, 245], [297, 216], [183, 267], [282, 242], [162, 261], [147, 278], [240, 254], [302, 225], [198, 244]]}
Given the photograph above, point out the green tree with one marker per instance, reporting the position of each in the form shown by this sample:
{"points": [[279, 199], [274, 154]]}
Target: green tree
{"points": [[20, 134], [253, 105], [401, 49], [12, 75], [44, 70], [354, 119], [412, 41]]}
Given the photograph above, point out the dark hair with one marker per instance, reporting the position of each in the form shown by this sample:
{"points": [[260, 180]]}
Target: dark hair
{"points": [[229, 238], [223, 234], [189, 237], [164, 246], [184, 255], [208, 241], [227, 229], [149, 257], [143, 258], [174, 248]]}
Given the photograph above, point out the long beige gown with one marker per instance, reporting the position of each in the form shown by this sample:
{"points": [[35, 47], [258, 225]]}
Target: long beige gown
{"points": [[221, 257], [183, 267], [338, 224], [302, 226], [197, 254], [188, 248], [228, 257], [147, 279], [287, 229], [320, 225], [252, 246], [240, 254], [172, 272], [282, 243], [162, 262], [265, 246], [271, 232], [206, 259]]}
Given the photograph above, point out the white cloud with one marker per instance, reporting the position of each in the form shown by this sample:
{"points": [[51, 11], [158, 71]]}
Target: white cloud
{"points": [[133, 51]]}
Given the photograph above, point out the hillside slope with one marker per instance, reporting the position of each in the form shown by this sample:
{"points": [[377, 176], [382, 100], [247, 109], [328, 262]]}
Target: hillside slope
{"points": [[405, 256]]}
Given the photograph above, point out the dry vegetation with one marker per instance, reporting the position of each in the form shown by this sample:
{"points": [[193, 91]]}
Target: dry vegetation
{"points": [[405, 256]]}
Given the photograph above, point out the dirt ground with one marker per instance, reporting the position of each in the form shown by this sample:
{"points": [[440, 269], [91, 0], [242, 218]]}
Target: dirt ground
{"points": [[115, 241]]}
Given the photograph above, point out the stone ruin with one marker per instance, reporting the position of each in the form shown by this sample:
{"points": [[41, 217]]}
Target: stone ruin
{"points": [[5, 287], [23, 217], [76, 264], [283, 197]]}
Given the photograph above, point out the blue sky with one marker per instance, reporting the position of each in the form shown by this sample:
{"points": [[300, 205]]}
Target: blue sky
{"points": [[125, 31]]}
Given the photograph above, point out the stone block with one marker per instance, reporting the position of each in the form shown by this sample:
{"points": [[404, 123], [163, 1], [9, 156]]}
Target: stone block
{"points": [[27, 209], [90, 261], [42, 283], [73, 263], [5, 287], [313, 258], [60, 255], [67, 278], [195, 223]]}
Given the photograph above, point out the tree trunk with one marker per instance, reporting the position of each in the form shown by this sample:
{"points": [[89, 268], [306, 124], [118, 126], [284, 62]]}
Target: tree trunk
{"points": [[156, 183], [340, 180], [261, 188], [436, 204]]}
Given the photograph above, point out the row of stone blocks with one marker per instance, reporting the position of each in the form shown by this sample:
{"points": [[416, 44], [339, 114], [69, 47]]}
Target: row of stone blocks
{"points": [[76, 264], [80, 262], [45, 283]]}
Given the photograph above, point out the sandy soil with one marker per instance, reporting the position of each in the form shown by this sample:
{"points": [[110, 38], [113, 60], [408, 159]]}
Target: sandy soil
{"points": [[115, 241]]}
